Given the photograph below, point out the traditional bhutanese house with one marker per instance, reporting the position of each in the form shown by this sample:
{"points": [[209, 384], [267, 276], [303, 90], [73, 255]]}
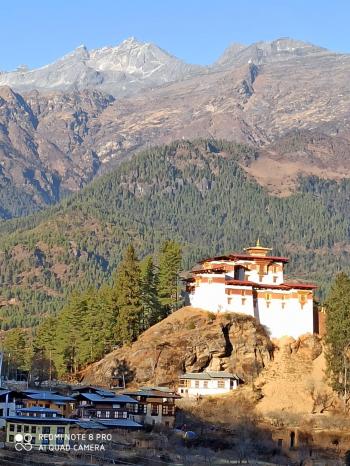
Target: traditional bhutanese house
{"points": [[196, 384], [253, 284], [103, 404], [36, 426], [51, 400], [155, 406]]}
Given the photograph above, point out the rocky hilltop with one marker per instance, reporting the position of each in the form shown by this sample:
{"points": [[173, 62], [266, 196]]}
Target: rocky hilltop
{"points": [[286, 372], [189, 340]]}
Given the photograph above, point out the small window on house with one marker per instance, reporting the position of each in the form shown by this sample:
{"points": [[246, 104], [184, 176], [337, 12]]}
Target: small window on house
{"points": [[210, 280], [242, 292], [60, 430], [12, 427], [267, 304], [33, 430], [229, 300], [196, 384], [275, 279], [205, 384], [26, 429], [19, 428], [221, 384], [165, 410], [46, 429], [243, 301], [283, 305], [107, 414], [11, 438], [98, 413], [268, 296]]}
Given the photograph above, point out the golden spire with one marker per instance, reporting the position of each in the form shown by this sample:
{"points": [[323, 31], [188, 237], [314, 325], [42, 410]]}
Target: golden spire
{"points": [[258, 250]]}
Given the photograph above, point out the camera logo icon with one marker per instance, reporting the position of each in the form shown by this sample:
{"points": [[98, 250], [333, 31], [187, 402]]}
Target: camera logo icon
{"points": [[23, 442]]}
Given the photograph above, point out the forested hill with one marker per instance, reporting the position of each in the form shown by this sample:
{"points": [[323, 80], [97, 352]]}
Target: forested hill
{"points": [[196, 193]]}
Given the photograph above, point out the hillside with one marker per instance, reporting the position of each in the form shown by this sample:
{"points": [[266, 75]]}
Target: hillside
{"points": [[194, 192], [187, 340], [191, 340], [56, 140]]}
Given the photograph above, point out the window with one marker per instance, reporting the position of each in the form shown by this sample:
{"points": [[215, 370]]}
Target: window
{"points": [[98, 413], [243, 301], [11, 438], [125, 415], [32, 441], [46, 429], [60, 430], [205, 384], [221, 384], [12, 427], [19, 428], [107, 414], [274, 279], [154, 410], [165, 410], [210, 281], [26, 429], [229, 300], [1, 412], [59, 441], [45, 441], [242, 292], [33, 430]]}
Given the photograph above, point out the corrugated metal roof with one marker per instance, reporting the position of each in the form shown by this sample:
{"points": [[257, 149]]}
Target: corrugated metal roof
{"points": [[49, 396], [152, 394], [104, 399], [122, 423], [37, 409], [209, 375], [90, 425]]}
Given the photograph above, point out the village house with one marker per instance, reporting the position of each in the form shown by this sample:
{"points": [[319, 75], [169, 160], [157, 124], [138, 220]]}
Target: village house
{"points": [[37, 426], [197, 384], [253, 284], [100, 404], [47, 399], [156, 405]]}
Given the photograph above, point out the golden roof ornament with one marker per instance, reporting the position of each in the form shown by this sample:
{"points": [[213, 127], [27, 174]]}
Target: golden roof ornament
{"points": [[258, 250]]}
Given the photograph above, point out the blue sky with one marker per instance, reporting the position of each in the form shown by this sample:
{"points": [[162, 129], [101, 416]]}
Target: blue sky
{"points": [[36, 32]]}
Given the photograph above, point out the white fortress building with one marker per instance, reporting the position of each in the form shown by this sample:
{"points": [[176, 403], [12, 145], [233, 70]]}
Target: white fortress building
{"points": [[253, 284]]}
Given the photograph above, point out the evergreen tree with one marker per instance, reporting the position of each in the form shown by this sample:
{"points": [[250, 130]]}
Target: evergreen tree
{"points": [[17, 352], [151, 308], [338, 333], [169, 268], [128, 292]]}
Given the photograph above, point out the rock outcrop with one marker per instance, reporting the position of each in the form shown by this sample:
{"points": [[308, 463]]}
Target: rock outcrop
{"points": [[189, 340]]}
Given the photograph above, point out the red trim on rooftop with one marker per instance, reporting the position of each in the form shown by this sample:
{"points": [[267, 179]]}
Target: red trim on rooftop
{"points": [[245, 257]]}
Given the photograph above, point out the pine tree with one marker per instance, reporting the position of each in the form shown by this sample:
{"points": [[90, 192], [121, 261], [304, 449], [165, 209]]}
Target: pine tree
{"points": [[152, 310], [338, 333], [169, 268], [128, 292], [17, 351]]}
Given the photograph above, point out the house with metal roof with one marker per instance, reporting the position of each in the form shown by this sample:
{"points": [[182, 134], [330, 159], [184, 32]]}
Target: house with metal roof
{"points": [[37, 426], [197, 384], [50, 400], [156, 405], [104, 405]]}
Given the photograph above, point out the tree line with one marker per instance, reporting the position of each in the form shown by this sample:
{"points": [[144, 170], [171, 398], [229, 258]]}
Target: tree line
{"points": [[95, 321]]}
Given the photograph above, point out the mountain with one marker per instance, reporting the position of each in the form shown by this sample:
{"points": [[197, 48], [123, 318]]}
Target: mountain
{"points": [[198, 193], [54, 143], [266, 52], [120, 70]]}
